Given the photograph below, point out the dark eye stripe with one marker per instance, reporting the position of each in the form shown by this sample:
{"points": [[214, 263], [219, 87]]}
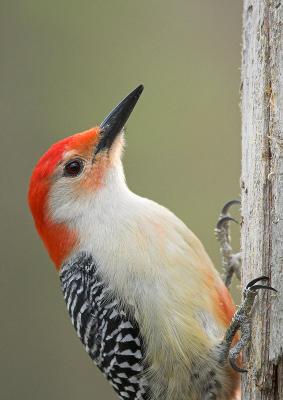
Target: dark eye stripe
{"points": [[73, 168]]}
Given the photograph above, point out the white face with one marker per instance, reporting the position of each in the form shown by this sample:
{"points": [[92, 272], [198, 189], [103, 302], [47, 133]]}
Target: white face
{"points": [[79, 179]]}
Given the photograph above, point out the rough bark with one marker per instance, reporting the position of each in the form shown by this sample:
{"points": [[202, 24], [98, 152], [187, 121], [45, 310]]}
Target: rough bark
{"points": [[262, 191]]}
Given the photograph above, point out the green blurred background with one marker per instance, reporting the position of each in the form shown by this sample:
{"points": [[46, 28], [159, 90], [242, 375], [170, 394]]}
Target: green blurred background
{"points": [[64, 65]]}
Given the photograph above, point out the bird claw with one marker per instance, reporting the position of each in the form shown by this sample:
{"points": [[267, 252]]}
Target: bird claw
{"points": [[228, 205], [241, 321], [231, 261], [252, 282], [223, 222], [235, 367], [242, 318]]}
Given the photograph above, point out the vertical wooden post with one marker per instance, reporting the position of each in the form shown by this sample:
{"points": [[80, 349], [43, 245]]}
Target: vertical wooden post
{"points": [[262, 191]]}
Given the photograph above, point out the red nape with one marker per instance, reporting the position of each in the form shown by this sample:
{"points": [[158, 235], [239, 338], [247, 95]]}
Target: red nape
{"points": [[59, 241], [57, 238]]}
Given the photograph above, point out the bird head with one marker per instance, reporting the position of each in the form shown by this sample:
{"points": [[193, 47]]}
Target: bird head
{"points": [[71, 174]]}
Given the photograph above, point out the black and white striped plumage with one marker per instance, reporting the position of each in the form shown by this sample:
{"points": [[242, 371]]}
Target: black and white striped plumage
{"points": [[110, 335]]}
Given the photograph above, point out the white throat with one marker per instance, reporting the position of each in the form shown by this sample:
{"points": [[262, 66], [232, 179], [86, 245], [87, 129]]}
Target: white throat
{"points": [[110, 227]]}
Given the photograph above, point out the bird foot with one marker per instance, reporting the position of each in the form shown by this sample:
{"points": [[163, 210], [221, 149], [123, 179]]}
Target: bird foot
{"points": [[241, 322], [231, 261]]}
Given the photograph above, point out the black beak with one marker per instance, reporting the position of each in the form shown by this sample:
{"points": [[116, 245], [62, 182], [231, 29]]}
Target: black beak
{"points": [[115, 121]]}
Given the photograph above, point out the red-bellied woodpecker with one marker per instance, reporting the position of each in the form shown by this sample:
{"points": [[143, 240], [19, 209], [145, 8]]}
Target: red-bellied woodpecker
{"points": [[143, 295]]}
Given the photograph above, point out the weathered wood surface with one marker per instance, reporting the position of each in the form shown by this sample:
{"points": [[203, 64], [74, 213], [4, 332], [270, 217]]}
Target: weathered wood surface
{"points": [[262, 191]]}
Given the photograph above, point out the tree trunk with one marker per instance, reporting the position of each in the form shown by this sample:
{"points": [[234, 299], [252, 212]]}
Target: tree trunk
{"points": [[262, 192]]}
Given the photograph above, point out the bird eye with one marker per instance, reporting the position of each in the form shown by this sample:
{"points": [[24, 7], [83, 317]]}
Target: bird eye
{"points": [[73, 168]]}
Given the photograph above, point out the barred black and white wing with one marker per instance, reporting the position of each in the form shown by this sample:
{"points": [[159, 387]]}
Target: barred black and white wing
{"points": [[110, 335]]}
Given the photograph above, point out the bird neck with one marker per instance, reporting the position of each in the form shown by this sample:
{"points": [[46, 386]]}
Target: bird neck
{"points": [[97, 216], [107, 210], [110, 224]]}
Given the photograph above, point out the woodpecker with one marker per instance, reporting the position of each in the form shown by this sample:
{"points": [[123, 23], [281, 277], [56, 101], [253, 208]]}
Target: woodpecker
{"points": [[143, 295]]}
